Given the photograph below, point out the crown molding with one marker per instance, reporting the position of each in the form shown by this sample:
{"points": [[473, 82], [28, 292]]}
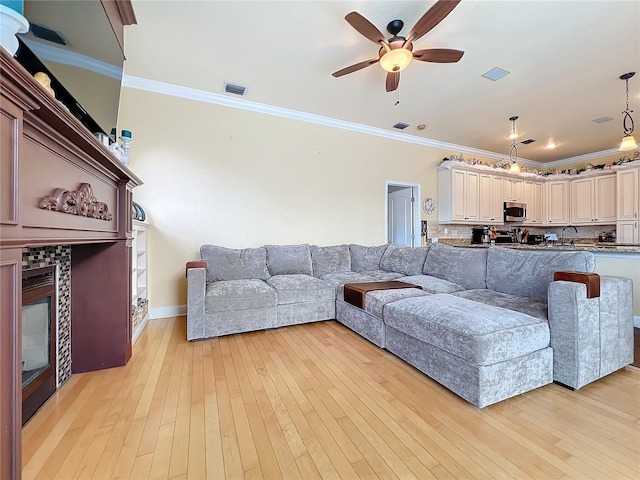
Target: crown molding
{"points": [[188, 93], [67, 57], [582, 158]]}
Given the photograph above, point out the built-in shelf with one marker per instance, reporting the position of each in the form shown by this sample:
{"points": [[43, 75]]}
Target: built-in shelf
{"points": [[139, 300]]}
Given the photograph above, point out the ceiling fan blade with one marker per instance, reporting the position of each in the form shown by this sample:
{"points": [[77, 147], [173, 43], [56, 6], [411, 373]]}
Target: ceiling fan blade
{"points": [[355, 67], [365, 27], [432, 17], [438, 55], [393, 80]]}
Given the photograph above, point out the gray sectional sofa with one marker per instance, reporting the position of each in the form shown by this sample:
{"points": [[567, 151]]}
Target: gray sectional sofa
{"points": [[487, 323]]}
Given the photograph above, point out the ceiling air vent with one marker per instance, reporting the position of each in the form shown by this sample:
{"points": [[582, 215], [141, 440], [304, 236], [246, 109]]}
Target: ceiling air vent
{"points": [[527, 142], [401, 126], [235, 89], [47, 34], [602, 119]]}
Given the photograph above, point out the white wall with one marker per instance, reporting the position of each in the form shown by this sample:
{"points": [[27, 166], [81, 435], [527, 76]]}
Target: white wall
{"points": [[242, 179]]}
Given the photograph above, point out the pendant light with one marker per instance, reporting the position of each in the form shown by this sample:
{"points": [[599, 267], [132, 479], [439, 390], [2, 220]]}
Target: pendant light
{"points": [[628, 142], [513, 153]]}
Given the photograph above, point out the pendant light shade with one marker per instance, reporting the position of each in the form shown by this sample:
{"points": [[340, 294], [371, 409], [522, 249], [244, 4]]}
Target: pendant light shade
{"points": [[628, 141]]}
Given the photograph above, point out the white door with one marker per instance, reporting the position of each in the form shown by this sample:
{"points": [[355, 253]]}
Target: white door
{"points": [[400, 217]]}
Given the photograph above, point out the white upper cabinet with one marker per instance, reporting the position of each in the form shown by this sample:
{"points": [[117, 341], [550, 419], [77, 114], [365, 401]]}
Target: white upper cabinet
{"points": [[593, 200], [532, 197], [491, 199], [513, 190], [628, 204], [458, 196], [557, 206]]}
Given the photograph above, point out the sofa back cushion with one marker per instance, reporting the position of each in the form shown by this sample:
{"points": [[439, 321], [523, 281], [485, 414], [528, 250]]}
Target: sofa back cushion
{"points": [[366, 259], [234, 264], [287, 259], [333, 259], [465, 266], [405, 260], [529, 273]]}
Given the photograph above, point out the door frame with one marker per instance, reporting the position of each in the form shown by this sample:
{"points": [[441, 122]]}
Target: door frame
{"points": [[415, 211]]}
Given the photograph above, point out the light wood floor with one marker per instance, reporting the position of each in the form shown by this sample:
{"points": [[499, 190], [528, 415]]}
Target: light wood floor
{"points": [[318, 401]]}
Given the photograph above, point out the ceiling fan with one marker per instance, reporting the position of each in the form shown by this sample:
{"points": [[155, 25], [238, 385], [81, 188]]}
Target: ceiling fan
{"points": [[396, 53]]}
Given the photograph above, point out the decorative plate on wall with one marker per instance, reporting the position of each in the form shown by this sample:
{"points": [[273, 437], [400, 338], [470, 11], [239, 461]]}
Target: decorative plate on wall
{"points": [[429, 205]]}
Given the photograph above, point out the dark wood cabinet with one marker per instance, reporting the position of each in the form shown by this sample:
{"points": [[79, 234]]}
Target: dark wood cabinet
{"points": [[45, 152]]}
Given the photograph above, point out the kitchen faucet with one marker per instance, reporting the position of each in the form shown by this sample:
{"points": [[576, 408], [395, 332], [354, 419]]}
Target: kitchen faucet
{"points": [[562, 234]]}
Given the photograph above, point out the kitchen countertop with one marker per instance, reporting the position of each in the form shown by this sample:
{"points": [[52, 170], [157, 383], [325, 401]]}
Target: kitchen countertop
{"points": [[596, 247]]}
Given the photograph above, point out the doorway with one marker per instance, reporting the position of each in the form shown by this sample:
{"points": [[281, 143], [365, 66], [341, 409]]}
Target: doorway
{"points": [[402, 213]]}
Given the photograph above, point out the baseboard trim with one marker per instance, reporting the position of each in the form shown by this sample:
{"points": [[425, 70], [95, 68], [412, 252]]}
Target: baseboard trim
{"points": [[164, 312]]}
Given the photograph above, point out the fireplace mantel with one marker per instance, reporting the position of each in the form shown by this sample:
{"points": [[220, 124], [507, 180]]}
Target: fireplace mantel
{"points": [[59, 186]]}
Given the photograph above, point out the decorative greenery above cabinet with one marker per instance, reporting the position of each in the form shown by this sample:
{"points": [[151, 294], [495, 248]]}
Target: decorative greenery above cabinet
{"points": [[475, 194]]}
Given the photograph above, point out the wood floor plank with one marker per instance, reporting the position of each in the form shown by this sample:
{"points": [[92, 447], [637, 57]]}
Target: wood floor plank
{"points": [[318, 401]]}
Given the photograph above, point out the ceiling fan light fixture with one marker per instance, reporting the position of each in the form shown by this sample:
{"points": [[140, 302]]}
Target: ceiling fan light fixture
{"points": [[396, 60], [628, 141]]}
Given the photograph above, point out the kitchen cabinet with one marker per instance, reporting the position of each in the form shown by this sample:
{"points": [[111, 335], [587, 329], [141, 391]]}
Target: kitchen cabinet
{"points": [[491, 199], [458, 196], [628, 203], [513, 190], [593, 200], [627, 232], [532, 197], [557, 205]]}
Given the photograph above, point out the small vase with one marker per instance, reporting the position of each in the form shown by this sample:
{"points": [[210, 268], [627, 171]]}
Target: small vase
{"points": [[11, 23]]}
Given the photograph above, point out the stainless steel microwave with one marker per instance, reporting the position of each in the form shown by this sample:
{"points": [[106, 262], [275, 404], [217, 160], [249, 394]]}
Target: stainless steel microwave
{"points": [[514, 212]]}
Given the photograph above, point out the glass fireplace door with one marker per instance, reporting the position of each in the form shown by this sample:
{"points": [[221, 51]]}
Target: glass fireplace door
{"points": [[38, 338]]}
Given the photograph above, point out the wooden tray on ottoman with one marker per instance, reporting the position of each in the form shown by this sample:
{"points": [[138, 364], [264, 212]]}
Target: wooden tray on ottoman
{"points": [[354, 292]]}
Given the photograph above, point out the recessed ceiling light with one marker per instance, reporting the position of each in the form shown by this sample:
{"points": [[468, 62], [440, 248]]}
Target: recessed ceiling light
{"points": [[422, 126], [602, 119], [495, 73], [550, 145], [401, 126]]}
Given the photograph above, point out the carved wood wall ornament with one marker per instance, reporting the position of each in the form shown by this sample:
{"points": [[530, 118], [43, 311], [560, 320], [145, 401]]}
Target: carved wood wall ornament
{"points": [[81, 202]]}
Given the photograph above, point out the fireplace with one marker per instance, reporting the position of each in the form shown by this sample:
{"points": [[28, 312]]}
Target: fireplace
{"points": [[39, 352]]}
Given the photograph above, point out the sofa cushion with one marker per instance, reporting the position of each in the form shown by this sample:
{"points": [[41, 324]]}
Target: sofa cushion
{"points": [[478, 333], [339, 279], [529, 273], [234, 264], [432, 284], [331, 259], [375, 301], [535, 308], [464, 266], [229, 295], [405, 260], [286, 259], [297, 288], [364, 258], [381, 275]]}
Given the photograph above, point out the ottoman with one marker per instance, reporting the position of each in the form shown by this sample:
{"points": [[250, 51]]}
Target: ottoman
{"points": [[368, 322], [483, 353]]}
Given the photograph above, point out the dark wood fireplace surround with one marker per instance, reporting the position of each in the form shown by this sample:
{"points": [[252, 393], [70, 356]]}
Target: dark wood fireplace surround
{"points": [[43, 148]]}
